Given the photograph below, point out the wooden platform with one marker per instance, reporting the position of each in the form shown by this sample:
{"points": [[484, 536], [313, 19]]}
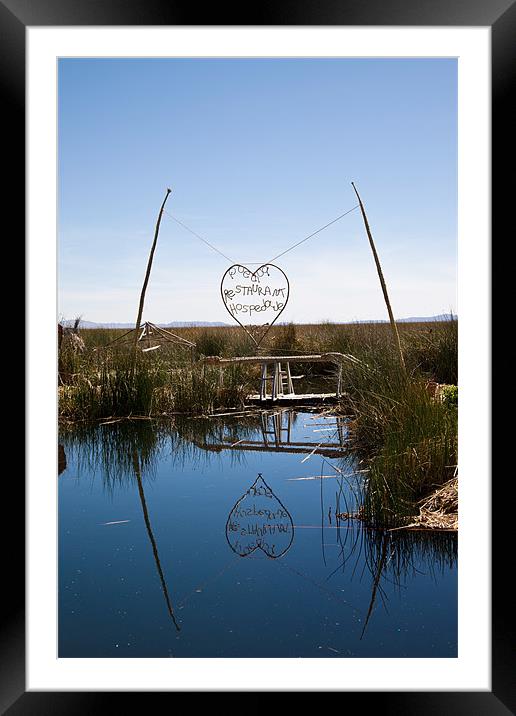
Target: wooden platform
{"points": [[278, 387], [293, 399]]}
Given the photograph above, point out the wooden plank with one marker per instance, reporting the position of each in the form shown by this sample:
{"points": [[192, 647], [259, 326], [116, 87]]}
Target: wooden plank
{"points": [[152, 348], [295, 399], [323, 450], [312, 358]]}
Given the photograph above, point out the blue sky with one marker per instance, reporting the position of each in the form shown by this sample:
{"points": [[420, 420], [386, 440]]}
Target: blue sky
{"points": [[259, 153]]}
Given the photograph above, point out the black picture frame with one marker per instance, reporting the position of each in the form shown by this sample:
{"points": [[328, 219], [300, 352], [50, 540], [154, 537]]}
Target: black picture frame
{"points": [[15, 16]]}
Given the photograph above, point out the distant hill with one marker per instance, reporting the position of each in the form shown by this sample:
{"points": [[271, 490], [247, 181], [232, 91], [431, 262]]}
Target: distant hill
{"points": [[414, 319], [424, 319], [189, 324], [175, 324]]}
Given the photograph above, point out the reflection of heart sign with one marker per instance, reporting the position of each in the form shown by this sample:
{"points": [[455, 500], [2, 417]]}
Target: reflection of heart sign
{"points": [[255, 299], [259, 521]]}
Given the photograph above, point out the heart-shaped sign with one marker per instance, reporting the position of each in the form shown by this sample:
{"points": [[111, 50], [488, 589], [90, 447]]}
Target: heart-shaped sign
{"points": [[259, 521], [255, 299]]}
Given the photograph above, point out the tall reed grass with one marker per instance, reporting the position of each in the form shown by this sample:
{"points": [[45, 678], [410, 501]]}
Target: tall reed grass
{"points": [[99, 382], [408, 435], [108, 383]]}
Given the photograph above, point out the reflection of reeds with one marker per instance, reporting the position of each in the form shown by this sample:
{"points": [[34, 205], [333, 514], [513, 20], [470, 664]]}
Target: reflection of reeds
{"points": [[392, 558], [107, 449], [409, 553]]}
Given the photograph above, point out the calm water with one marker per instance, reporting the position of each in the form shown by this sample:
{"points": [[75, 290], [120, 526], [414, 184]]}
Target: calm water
{"points": [[160, 557]]}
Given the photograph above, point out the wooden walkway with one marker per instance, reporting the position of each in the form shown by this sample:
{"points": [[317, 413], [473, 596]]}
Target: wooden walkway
{"points": [[281, 379], [293, 399]]}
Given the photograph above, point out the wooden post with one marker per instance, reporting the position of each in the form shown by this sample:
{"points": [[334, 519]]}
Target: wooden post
{"points": [[274, 381], [147, 274], [263, 385], [289, 379], [380, 276]]}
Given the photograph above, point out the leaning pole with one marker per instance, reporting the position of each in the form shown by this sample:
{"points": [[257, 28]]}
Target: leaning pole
{"points": [[147, 274], [382, 280]]}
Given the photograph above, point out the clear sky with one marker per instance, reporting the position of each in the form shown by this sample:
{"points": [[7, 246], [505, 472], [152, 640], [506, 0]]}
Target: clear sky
{"points": [[259, 153]]}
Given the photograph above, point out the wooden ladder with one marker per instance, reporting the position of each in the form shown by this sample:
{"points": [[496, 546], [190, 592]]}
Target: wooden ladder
{"points": [[278, 379]]}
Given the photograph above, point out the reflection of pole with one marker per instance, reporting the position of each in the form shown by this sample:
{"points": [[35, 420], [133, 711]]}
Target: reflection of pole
{"points": [[264, 427], [376, 582], [277, 427], [380, 276], [147, 274], [137, 472]]}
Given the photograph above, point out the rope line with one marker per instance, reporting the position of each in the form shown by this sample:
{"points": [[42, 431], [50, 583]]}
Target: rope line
{"points": [[214, 248], [314, 233], [254, 263]]}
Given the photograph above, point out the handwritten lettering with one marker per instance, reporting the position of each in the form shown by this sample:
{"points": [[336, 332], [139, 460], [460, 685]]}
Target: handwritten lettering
{"points": [[255, 299]]}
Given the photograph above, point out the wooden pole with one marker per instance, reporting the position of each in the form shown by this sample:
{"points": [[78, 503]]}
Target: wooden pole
{"points": [[147, 273], [380, 276]]}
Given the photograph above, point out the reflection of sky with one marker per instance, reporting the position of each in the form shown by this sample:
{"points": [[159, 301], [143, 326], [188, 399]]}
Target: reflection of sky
{"points": [[311, 602], [259, 153]]}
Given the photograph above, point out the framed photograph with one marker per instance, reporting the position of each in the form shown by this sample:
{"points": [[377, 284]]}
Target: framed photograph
{"points": [[249, 247]]}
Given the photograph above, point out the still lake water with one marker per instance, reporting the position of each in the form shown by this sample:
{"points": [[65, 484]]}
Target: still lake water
{"points": [[160, 557]]}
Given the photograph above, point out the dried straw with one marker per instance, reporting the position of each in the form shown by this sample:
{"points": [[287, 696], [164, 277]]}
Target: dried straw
{"points": [[439, 511]]}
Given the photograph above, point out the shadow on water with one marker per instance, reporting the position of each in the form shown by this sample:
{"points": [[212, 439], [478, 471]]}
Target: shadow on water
{"points": [[126, 453]]}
